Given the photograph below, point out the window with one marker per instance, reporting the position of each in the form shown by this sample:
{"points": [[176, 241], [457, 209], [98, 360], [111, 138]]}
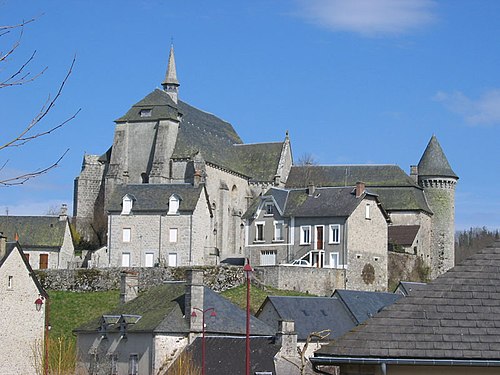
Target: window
{"points": [[133, 364], [367, 211], [334, 233], [334, 260], [127, 234], [173, 206], [146, 112], [172, 259], [268, 258], [305, 235], [269, 209], [27, 257], [9, 282], [125, 259], [44, 261], [172, 235], [278, 231], [127, 202], [259, 231], [149, 259]]}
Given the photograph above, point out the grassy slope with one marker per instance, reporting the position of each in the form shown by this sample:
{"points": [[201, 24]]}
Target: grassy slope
{"points": [[68, 310]]}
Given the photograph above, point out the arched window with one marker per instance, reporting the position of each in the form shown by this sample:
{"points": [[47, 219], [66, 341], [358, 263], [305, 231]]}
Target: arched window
{"points": [[173, 205], [127, 203]]}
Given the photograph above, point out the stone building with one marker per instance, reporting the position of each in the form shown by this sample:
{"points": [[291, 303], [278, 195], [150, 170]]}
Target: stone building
{"points": [[22, 326], [164, 141], [47, 241], [333, 227], [424, 199]]}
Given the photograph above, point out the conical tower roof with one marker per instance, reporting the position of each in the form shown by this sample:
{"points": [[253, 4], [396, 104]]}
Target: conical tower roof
{"points": [[434, 162], [171, 75]]}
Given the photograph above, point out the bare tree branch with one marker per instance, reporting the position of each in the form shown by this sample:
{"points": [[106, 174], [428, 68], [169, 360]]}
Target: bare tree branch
{"points": [[21, 179]]}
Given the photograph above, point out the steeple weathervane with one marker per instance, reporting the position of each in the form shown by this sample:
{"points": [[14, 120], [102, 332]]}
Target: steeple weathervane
{"points": [[171, 84]]}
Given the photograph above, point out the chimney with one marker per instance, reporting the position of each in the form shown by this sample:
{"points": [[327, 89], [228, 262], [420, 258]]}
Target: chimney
{"points": [[196, 178], [287, 338], [194, 299], [3, 245], [129, 286], [414, 173], [63, 214], [360, 188], [310, 188]]}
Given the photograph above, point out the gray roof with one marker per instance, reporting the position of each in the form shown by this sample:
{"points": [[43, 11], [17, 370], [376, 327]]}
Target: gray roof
{"points": [[155, 197], [311, 314], [35, 232], [348, 175], [159, 102], [226, 355], [455, 317], [409, 198], [402, 234], [434, 162], [363, 305], [407, 287], [162, 310]]}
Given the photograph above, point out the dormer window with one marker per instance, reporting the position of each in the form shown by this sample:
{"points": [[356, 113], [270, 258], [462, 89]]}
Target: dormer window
{"points": [[173, 205], [127, 203], [269, 209], [146, 112]]}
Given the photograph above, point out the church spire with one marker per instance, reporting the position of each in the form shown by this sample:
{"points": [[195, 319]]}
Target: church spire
{"points": [[170, 83]]}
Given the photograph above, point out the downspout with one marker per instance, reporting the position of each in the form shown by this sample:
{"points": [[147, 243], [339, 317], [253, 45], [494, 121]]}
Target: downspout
{"points": [[344, 255], [159, 241], [190, 238], [109, 241]]}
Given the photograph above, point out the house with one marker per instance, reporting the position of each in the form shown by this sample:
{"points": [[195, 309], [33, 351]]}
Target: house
{"points": [[146, 334], [340, 228], [153, 224], [449, 326], [423, 200], [163, 141], [23, 311], [47, 241]]}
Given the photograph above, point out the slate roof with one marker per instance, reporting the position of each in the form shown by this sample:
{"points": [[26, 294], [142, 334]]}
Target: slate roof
{"points": [[311, 314], [434, 162], [407, 287], [402, 234], [161, 104], [35, 232], [155, 197], [226, 355], [396, 190], [162, 310], [348, 175], [455, 317], [363, 305]]}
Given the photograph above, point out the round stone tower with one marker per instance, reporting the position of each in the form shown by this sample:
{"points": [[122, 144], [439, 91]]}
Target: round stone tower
{"points": [[438, 180]]}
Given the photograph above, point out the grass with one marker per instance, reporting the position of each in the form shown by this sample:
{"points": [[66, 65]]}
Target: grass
{"points": [[238, 295], [68, 310]]}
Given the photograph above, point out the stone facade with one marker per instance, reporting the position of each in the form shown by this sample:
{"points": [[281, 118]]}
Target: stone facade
{"points": [[22, 326]]}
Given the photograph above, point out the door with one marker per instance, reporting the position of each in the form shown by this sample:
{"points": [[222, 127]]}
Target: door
{"points": [[319, 237], [149, 259], [44, 261]]}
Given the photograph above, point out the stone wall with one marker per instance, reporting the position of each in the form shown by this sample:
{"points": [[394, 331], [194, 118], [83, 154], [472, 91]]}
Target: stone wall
{"points": [[317, 281], [93, 279], [406, 267]]}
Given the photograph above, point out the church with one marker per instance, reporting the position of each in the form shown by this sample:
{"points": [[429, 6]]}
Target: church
{"points": [[175, 187]]}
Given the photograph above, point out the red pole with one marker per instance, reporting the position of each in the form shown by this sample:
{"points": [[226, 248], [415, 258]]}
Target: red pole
{"points": [[247, 268]]}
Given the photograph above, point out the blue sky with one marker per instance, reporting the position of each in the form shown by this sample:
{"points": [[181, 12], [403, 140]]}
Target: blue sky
{"points": [[358, 81]]}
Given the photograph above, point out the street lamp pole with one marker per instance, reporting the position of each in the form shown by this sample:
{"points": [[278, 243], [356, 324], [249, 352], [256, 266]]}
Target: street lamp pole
{"points": [[194, 315], [248, 269]]}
